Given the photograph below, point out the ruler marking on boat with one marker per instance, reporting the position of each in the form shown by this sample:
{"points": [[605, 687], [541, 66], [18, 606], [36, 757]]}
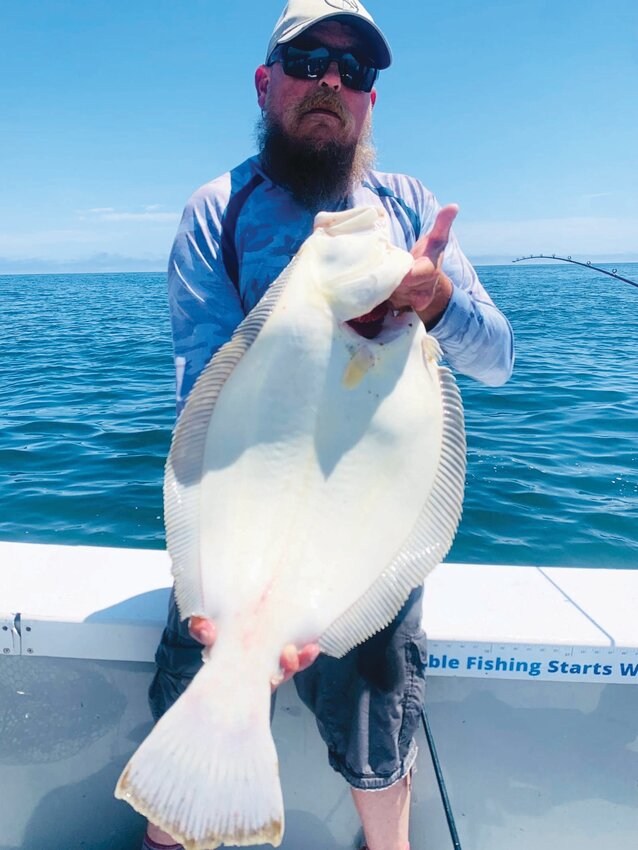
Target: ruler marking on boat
{"points": [[540, 662]]}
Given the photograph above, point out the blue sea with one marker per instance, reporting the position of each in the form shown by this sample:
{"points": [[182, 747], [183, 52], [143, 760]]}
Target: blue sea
{"points": [[87, 407]]}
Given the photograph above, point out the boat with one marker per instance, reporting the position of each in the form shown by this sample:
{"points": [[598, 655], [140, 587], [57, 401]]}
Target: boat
{"points": [[531, 709]]}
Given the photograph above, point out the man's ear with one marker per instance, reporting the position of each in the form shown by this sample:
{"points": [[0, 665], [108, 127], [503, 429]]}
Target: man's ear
{"points": [[373, 97], [262, 79]]}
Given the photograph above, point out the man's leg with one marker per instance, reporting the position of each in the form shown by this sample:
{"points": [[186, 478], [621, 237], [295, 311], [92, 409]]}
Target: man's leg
{"points": [[385, 815], [368, 706]]}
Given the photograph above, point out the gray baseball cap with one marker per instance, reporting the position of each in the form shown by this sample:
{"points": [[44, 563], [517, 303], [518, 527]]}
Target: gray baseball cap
{"points": [[299, 15]]}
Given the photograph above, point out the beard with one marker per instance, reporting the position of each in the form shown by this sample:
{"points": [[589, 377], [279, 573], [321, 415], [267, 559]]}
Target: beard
{"points": [[319, 173]]}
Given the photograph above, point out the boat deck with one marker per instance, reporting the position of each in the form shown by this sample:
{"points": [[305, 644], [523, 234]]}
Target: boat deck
{"points": [[538, 749]]}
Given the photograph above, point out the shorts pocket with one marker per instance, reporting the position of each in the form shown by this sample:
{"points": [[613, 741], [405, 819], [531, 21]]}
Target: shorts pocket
{"points": [[416, 663]]}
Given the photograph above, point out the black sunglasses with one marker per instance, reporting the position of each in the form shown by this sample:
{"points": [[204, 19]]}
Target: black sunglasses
{"points": [[313, 63]]}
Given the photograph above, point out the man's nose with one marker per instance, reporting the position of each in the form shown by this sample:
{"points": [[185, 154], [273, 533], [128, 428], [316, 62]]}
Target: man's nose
{"points": [[332, 77]]}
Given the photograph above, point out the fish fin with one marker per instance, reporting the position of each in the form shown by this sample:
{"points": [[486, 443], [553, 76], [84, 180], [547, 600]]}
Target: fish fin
{"points": [[431, 349], [184, 463], [208, 772], [425, 547], [361, 361]]}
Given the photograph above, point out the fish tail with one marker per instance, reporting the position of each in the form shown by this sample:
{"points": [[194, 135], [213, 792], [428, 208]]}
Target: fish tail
{"points": [[208, 773]]}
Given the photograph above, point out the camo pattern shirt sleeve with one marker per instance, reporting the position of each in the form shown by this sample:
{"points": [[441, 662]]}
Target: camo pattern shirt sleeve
{"points": [[205, 307]]}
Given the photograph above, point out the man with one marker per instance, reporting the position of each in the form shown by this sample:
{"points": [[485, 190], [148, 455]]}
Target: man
{"points": [[237, 234]]}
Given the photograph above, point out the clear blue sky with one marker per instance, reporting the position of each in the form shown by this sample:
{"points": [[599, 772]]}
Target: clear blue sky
{"points": [[113, 112]]}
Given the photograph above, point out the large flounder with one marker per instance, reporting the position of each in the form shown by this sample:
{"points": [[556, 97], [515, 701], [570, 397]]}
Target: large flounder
{"points": [[314, 479]]}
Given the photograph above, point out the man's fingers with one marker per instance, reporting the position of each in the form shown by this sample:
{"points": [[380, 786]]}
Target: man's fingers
{"points": [[202, 630], [434, 243], [293, 660], [308, 655], [423, 270], [439, 235], [289, 660]]}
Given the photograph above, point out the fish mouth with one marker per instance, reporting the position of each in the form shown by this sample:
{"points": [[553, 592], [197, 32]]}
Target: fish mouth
{"points": [[370, 324], [382, 324]]}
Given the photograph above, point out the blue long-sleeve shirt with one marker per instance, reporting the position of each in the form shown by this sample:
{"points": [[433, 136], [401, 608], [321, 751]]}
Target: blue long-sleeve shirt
{"points": [[240, 231]]}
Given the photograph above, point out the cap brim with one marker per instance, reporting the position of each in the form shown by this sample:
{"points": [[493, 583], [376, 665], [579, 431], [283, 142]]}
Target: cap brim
{"points": [[380, 54]]}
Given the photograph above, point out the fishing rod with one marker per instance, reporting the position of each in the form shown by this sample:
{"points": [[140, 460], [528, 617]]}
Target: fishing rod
{"points": [[587, 265], [436, 764]]}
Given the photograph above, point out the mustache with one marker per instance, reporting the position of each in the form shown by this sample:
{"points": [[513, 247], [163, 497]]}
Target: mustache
{"points": [[328, 100]]}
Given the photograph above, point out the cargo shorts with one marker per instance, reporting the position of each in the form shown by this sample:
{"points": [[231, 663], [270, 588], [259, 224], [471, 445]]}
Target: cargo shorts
{"points": [[367, 704]]}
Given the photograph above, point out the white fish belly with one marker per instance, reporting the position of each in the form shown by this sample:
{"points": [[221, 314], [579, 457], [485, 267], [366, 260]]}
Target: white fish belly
{"points": [[310, 488]]}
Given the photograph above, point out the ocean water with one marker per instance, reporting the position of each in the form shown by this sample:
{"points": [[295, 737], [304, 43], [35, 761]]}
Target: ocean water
{"points": [[86, 411]]}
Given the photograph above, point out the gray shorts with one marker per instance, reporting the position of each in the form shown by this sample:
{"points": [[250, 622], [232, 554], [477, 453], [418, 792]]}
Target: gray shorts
{"points": [[367, 704]]}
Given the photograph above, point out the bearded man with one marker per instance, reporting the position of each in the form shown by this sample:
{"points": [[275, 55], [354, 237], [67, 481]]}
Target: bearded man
{"points": [[238, 232]]}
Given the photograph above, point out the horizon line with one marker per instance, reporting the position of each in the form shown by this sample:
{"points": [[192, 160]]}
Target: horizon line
{"points": [[478, 261]]}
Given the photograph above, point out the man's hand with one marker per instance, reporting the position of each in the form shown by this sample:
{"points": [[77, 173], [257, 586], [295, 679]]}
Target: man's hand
{"points": [[291, 660], [425, 289]]}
